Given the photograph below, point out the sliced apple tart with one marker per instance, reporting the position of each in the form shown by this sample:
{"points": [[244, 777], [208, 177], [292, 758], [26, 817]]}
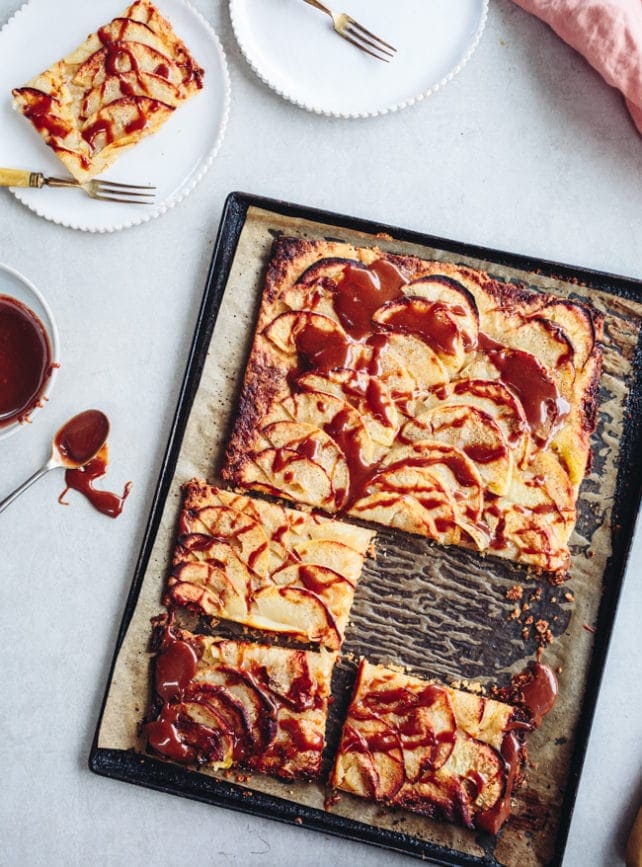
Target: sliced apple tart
{"points": [[222, 703], [265, 566], [431, 749], [119, 86], [419, 395]]}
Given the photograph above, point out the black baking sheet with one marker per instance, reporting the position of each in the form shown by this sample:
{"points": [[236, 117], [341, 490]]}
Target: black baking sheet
{"points": [[144, 770]]}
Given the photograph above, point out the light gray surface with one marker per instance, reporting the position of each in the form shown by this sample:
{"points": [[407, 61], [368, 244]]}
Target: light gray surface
{"points": [[527, 150]]}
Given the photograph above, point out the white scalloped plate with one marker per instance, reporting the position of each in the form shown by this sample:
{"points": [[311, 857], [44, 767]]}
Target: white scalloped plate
{"points": [[16, 285], [293, 49], [174, 159]]}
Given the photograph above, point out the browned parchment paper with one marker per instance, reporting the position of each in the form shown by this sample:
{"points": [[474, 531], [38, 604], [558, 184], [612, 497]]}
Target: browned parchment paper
{"points": [[439, 612]]}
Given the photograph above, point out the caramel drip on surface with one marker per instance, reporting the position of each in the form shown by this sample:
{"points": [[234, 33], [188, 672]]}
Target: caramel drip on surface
{"points": [[428, 320], [82, 480], [493, 818], [341, 429], [539, 694], [535, 690], [361, 291], [323, 351]]}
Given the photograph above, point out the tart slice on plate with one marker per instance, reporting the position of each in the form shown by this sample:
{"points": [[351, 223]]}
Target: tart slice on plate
{"points": [[120, 85]]}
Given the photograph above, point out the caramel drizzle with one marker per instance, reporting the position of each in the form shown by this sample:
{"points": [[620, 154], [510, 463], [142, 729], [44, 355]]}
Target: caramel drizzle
{"points": [[245, 713], [357, 294], [203, 542], [389, 720]]}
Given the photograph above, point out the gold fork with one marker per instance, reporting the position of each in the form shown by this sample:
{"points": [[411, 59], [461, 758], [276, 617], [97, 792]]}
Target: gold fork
{"points": [[103, 191], [357, 34]]}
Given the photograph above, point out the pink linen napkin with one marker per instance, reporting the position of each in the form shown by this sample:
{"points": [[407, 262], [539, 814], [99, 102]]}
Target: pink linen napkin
{"points": [[609, 35]]}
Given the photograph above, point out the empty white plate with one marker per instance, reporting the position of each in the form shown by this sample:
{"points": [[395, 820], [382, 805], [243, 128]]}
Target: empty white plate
{"points": [[292, 47]]}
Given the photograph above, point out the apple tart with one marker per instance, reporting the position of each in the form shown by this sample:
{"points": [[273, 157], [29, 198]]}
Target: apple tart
{"points": [[271, 568], [431, 749], [119, 86], [419, 395], [223, 703]]}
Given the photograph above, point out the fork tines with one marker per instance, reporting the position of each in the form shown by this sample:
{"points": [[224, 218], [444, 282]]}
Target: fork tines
{"points": [[367, 41], [118, 187], [111, 191]]}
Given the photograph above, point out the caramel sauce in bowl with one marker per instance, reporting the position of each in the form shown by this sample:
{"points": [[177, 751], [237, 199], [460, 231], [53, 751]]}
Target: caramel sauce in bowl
{"points": [[29, 351]]}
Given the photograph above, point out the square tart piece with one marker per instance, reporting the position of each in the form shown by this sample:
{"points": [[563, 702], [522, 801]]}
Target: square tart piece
{"points": [[430, 749], [119, 86], [420, 395], [224, 703], [265, 566]]}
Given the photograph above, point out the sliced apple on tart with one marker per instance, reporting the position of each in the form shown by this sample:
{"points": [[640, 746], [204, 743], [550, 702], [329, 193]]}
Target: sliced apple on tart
{"points": [[432, 472], [472, 431], [405, 744], [383, 352], [396, 372], [120, 85], [578, 324], [296, 611], [208, 589], [494, 399], [548, 342], [265, 566], [373, 759], [310, 443], [124, 57], [316, 338], [445, 289], [239, 703], [369, 395], [228, 533]]}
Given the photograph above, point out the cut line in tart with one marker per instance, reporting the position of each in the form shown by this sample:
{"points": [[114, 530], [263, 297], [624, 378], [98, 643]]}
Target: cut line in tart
{"points": [[420, 395], [431, 749], [120, 85], [225, 703], [265, 566]]}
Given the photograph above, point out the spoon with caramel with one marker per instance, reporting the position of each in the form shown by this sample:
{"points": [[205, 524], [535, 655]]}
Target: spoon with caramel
{"points": [[76, 444]]}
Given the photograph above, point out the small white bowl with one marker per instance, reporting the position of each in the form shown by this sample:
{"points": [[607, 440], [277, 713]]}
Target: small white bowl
{"points": [[16, 285]]}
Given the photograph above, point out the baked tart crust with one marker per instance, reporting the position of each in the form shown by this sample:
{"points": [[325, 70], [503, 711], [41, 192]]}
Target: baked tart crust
{"points": [[225, 703], [429, 748], [420, 395], [265, 566]]}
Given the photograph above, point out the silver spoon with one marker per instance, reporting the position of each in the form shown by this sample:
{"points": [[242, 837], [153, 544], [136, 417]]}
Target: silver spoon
{"points": [[76, 443]]}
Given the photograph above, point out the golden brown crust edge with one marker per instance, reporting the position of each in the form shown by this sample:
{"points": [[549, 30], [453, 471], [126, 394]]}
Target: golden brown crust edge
{"points": [[265, 373]]}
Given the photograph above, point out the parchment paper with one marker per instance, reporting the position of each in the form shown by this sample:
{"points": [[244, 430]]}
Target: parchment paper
{"points": [[439, 612]]}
